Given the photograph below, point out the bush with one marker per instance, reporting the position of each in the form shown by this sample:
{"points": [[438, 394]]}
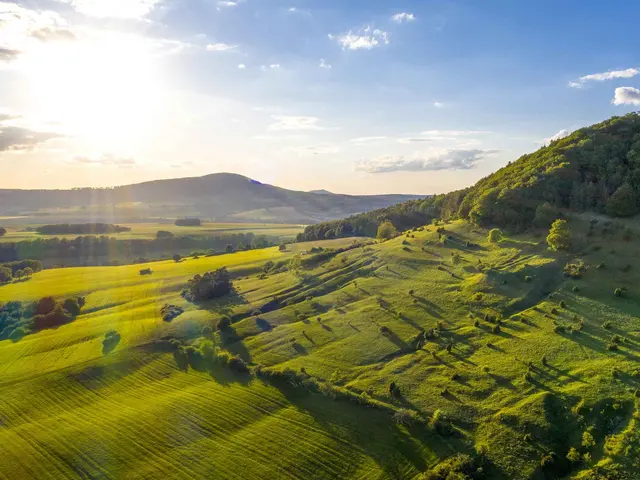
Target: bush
{"points": [[209, 286], [559, 237], [72, 305], [223, 324], [562, 304], [110, 341], [548, 460], [394, 390], [607, 325], [56, 317], [6, 275], [386, 231], [619, 292], [495, 235], [528, 279], [146, 271], [45, 305], [169, 312]]}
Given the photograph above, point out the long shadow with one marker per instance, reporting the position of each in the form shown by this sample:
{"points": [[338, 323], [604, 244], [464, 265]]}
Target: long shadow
{"points": [[234, 343], [429, 307], [406, 319], [502, 381], [397, 341]]}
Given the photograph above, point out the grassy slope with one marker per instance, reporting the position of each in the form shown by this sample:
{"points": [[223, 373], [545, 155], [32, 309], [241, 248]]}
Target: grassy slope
{"points": [[146, 417]]}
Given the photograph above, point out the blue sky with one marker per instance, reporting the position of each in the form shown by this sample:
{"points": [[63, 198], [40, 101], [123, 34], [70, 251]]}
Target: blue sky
{"points": [[349, 96]]}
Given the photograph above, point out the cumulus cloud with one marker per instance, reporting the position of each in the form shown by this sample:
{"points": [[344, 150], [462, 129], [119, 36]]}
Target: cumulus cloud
{"points": [[448, 160], [125, 9], [13, 138], [403, 17], [228, 3], [561, 134], [367, 140], [8, 54], [601, 77], [106, 160], [220, 47], [289, 122], [626, 96], [324, 64], [51, 34], [438, 104], [273, 66], [242, 66], [362, 39]]}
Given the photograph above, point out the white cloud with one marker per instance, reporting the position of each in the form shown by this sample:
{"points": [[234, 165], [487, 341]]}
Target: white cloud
{"points": [[242, 66], [561, 134], [438, 104], [403, 17], [106, 159], [273, 66], [324, 64], [444, 160], [228, 3], [289, 122], [15, 138], [362, 39], [220, 47], [601, 77], [451, 134], [626, 96], [113, 8], [367, 140]]}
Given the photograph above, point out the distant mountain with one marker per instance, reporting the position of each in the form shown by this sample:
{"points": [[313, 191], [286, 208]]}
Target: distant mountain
{"points": [[217, 197], [322, 192]]}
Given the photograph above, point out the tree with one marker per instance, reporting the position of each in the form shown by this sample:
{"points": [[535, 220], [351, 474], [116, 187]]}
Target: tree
{"points": [[28, 272], [45, 305], [208, 286], [546, 214], [623, 203], [5, 275], [177, 258], [495, 235], [164, 234], [559, 237], [72, 306], [19, 274], [229, 248], [386, 230], [3, 232], [283, 247]]}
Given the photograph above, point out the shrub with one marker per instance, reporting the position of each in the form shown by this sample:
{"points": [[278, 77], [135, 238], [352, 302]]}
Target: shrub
{"points": [[394, 390], [111, 340], [559, 329], [386, 231], [607, 325], [613, 347], [619, 292], [209, 286], [223, 324], [562, 304], [72, 306], [575, 289], [575, 269], [45, 305], [528, 279], [554, 311], [548, 460], [56, 317], [588, 441], [559, 237], [495, 235], [169, 312], [146, 271], [6, 275]]}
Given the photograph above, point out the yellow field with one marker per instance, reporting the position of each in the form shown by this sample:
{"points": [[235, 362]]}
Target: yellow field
{"points": [[16, 233]]}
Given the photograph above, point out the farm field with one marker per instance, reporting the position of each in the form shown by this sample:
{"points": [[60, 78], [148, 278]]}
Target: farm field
{"points": [[147, 231], [490, 343]]}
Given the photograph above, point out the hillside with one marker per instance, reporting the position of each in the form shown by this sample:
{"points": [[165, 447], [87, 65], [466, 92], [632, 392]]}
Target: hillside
{"points": [[595, 169], [217, 197], [381, 361]]}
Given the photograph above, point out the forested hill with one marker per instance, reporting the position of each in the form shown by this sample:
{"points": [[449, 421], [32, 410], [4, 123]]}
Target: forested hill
{"points": [[596, 168]]}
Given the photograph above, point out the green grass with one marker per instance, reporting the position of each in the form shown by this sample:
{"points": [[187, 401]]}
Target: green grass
{"points": [[147, 231], [146, 418]]}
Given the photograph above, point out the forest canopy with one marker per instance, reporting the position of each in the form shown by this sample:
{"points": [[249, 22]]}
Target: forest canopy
{"points": [[595, 169]]}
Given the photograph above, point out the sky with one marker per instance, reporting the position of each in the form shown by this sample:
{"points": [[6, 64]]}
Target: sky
{"points": [[360, 97]]}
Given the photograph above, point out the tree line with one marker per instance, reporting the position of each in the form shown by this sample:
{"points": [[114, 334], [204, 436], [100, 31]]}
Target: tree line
{"points": [[594, 169], [102, 249], [81, 229]]}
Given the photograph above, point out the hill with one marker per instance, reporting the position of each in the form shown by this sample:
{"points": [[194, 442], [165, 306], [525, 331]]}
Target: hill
{"points": [[382, 361], [594, 169], [217, 197]]}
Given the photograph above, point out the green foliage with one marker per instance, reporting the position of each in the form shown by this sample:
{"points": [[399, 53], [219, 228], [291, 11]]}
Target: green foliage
{"points": [[574, 455], [170, 312], [164, 234], [545, 215], [209, 286], [458, 467], [110, 341], [6, 275], [623, 202], [559, 237], [386, 231], [72, 305], [223, 324], [495, 235], [3, 231]]}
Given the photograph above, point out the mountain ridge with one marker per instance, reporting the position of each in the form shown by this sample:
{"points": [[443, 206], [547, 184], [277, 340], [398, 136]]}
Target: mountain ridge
{"points": [[216, 197]]}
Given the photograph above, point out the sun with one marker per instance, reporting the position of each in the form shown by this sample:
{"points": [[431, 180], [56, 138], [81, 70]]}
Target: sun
{"points": [[104, 89]]}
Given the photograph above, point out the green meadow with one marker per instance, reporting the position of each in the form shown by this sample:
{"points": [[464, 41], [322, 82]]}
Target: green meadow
{"points": [[148, 231], [495, 353]]}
